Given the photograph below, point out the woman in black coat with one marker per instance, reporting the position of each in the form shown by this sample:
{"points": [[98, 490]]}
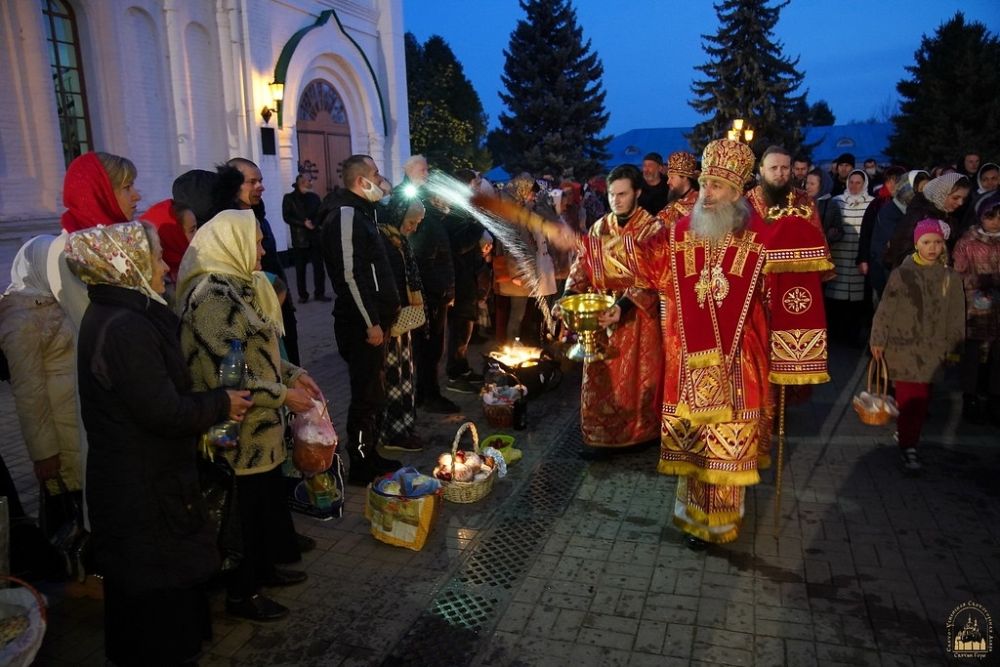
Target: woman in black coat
{"points": [[151, 534]]}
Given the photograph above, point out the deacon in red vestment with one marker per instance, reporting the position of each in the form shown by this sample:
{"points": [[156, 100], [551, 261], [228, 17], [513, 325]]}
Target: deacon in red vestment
{"points": [[775, 190], [620, 396], [775, 196], [741, 308]]}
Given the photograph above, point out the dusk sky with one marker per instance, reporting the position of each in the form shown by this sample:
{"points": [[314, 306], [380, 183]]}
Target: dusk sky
{"points": [[852, 52]]}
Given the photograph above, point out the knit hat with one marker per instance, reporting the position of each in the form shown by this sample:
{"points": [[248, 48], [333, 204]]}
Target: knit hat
{"points": [[654, 157], [937, 189], [928, 226], [845, 158], [727, 161]]}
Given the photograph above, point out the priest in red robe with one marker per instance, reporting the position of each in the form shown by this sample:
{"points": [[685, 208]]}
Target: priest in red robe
{"points": [[682, 181], [620, 397]]}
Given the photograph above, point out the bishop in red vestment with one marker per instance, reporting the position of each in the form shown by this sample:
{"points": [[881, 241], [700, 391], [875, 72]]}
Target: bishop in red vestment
{"points": [[741, 308]]}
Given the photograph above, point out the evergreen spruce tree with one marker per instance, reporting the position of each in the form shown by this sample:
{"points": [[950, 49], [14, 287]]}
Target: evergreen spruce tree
{"points": [[821, 115], [447, 122], [950, 104], [747, 77], [554, 96]]}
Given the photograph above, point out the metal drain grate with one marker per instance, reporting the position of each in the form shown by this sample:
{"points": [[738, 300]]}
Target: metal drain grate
{"points": [[463, 610], [450, 630], [504, 555]]}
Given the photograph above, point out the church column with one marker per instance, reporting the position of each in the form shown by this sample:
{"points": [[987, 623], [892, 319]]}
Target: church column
{"points": [[231, 20], [393, 75], [176, 56]]}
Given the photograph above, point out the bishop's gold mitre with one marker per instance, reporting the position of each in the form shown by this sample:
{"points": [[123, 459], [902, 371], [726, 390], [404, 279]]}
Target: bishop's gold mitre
{"points": [[728, 161]]}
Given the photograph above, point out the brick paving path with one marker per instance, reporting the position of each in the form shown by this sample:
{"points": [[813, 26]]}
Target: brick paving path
{"points": [[863, 569]]}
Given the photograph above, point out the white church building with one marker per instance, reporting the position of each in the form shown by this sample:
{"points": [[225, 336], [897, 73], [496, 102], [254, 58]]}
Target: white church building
{"points": [[294, 85]]}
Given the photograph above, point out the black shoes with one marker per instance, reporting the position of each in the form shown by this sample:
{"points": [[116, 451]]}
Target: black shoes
{"points": [[410, 443], [364, 470], [440, 405], [460, 385], [282, 577], [323, 297], [304, 298], [305, 543], [256, 608], [695, 543]]}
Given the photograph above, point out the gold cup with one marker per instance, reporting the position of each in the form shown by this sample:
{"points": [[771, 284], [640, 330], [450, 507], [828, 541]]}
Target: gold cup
{"points": [[580, 312]]}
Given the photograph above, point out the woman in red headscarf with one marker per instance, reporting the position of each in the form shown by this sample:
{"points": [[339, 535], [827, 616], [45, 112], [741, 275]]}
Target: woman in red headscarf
{"points": [[99, 189], [176, 225]]}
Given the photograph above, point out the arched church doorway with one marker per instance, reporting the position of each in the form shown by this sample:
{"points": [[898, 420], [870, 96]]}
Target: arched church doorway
{"points": [[324, 135]]}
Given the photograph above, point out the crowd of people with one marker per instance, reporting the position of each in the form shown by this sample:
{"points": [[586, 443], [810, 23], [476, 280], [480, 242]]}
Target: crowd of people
{"points": [[727, 274]]}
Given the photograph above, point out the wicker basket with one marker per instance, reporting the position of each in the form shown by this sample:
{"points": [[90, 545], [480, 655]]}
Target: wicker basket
{"points": [[467, 492], [23, 617], [877, 412], [499, 416]]}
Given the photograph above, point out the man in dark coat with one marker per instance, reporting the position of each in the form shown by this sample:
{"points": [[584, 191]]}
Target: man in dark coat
{"points": [[655, 191], [432, 250], [365, 308], [299, 208], [467, 242], [250, 196]]}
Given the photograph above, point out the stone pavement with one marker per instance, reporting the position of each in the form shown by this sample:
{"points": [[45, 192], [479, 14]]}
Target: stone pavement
{"points": [[573, 562]]}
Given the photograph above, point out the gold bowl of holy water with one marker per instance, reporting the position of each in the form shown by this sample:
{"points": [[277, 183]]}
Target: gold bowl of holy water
{"points": [[580, 312]]}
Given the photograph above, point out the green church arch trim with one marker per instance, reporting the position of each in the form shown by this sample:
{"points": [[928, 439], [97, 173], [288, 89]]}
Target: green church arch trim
{"points": [[281, 68]]}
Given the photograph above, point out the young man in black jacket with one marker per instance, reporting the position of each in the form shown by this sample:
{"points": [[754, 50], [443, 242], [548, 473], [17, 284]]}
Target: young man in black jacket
{"points": [[367, 304]]}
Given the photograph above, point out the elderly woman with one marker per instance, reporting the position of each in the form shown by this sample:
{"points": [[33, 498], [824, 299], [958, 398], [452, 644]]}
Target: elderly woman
{"points": [[397, 424], [222, 296], [151, 537], [37, 340]]}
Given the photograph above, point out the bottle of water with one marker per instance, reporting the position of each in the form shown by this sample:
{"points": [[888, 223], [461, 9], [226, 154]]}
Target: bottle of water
{"points": [[233, 368], [232, 375]]}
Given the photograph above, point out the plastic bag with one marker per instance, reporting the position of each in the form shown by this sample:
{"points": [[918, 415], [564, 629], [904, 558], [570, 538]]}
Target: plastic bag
{"points": [[314, 440], [408, 482]]}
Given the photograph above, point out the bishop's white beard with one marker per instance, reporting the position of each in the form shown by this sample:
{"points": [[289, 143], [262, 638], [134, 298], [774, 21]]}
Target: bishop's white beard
{"points": [[722, 219]]}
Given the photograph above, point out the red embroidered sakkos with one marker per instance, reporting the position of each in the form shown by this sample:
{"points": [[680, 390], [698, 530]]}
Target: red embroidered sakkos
{"points": [[620, 396], [737, 314]]}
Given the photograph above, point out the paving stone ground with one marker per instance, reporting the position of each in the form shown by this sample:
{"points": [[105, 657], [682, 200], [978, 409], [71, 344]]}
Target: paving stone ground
{"points": [[862, 566]]}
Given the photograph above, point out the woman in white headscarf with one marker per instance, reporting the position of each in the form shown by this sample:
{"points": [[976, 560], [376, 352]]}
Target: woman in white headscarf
{"points": [[223, 295], [845, 294], [37, 339]]}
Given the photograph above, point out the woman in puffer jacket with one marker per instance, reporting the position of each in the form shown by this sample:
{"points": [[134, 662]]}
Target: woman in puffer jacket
{"points": [[37, 339]]}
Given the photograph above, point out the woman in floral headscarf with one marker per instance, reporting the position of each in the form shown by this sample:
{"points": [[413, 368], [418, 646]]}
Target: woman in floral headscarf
{"points": [[223, 295], [151, 536]]}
